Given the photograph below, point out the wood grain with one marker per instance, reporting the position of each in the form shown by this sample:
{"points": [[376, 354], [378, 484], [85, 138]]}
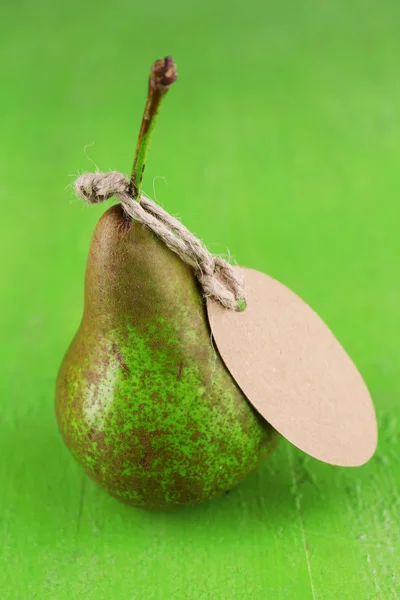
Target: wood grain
{"points": [[294, 148]]}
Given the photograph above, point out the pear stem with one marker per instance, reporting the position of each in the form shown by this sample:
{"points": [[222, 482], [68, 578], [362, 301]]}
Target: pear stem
{"points": [[162, 76]]}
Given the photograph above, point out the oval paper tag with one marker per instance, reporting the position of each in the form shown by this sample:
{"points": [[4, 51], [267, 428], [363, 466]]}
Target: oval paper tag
{"points": [[295, 373]]}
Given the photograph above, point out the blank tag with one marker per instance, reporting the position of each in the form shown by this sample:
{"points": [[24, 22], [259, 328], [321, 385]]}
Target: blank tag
{"points": [[295, 373]]}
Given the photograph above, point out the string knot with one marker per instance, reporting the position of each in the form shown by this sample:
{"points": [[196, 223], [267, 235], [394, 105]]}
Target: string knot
{"points": [[97, 187], [216, 276]]}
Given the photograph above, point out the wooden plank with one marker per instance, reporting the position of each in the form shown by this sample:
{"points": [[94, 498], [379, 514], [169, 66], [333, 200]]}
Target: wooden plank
{"points": [[280, 142]]}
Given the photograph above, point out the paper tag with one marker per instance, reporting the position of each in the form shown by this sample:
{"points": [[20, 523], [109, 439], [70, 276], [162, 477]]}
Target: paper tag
{"points": [[295, 373]]}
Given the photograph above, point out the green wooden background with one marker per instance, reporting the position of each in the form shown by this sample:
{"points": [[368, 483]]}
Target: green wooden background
{"points": [[281, 141]]}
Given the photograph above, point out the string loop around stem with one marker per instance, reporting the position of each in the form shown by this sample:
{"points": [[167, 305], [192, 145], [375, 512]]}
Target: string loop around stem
{"points": [[218, 279]]}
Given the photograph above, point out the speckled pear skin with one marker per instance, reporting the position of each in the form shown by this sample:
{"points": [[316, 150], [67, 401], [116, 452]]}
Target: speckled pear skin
{"points": [[143, 401]]}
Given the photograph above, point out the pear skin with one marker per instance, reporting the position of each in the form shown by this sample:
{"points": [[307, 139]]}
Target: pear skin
{"points": [[144, 401]]}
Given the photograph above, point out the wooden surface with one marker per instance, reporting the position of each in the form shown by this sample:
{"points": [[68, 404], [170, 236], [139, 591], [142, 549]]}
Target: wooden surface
{"points": [[281, 141]]}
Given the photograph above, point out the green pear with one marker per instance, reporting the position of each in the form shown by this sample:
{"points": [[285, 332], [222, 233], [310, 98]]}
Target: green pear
{"points": [[144, 401]]}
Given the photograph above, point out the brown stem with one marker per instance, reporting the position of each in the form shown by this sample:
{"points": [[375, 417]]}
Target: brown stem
{"points": [[162, 76]]}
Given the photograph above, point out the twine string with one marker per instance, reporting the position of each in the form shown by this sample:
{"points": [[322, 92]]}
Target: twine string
{"points": [[217, 277]]}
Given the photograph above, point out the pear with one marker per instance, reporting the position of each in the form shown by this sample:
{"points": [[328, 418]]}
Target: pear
{"points": [[143, 400]]}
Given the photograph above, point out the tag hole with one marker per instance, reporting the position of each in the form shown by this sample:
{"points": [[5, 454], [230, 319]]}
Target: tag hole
{"points": [[241, 305]]}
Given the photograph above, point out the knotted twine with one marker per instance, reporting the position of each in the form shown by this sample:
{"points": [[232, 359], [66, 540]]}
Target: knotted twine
{"points": [[216, 276]]}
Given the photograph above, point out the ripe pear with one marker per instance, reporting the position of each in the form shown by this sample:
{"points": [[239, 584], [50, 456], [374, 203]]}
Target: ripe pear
{"points": [[144, 401]]}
